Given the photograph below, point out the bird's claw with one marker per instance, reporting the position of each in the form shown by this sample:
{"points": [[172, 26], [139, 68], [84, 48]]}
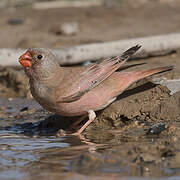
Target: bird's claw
{"points": [[62, 132]]}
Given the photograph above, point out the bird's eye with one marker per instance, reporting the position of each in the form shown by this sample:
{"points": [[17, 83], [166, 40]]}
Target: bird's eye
{"points": [[39, 56]]}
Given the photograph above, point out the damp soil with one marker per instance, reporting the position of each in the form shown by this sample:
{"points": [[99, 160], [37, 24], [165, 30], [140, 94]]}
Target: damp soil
{"points": [[136, 137]]}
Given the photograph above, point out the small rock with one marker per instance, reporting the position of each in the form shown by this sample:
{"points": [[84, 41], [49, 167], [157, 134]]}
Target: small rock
{"points": [[148, 157], [156, 129], [86, 63], [71, 28], [147, 169], [167, 153], [15, 21], [24, 109]]}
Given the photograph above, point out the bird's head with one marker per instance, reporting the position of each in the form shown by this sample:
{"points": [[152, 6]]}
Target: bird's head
{"points": [[39, 63]]}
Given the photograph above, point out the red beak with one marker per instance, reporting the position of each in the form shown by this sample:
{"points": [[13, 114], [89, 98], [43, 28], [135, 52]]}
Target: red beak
{"points": [[25, 59]]}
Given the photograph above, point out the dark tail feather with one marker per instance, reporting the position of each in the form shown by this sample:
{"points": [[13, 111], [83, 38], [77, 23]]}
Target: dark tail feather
{"points": [[146, 73], [124, 56], [130, 52]]}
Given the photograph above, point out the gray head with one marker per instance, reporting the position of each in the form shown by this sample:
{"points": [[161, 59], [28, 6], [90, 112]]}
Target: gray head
{"points": [[39, 63]]}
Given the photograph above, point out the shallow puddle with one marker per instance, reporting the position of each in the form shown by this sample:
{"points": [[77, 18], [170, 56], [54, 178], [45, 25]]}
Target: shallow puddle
{"points": [[29, 150]]}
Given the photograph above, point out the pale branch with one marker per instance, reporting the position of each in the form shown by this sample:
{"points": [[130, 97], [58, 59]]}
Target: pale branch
{"points": [[65, 4], [151, 46]]}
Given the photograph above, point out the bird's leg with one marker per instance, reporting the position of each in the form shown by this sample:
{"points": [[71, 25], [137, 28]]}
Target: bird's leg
{"points": [[92, 116], [61, 132], [74, 125]]}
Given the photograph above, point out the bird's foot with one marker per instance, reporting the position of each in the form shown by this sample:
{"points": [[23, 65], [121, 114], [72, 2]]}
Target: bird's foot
{"points": [[61, 133], [91, 115]]}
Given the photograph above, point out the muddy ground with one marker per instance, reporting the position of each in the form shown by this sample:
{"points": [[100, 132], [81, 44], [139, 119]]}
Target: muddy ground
{"points": [[137, 135]]}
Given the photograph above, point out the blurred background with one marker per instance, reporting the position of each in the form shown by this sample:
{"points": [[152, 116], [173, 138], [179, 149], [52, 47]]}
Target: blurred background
{"points": [[60, 23]]}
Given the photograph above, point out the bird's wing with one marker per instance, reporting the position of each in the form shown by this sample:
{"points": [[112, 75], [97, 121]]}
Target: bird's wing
{"points": [[95, 74]]}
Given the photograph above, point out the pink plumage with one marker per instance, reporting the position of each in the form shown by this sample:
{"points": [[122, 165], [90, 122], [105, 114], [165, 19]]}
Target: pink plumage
{"points": [[78, 91]]}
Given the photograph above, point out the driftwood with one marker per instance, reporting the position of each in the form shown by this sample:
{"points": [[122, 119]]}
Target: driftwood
{"points": [[151, 46], [64, 4]]}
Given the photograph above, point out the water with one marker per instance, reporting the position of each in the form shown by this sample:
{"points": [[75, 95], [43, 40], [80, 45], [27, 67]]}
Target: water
{"points": [[20, 155]]}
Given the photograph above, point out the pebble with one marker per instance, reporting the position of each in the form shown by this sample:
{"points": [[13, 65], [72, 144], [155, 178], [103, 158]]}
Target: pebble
{"points": [[24, 109], [70, 28], [15, 21], [156, 129]]}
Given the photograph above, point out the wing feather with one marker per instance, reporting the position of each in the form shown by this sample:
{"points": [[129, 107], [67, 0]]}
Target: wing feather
{"points": [[97, 73]]}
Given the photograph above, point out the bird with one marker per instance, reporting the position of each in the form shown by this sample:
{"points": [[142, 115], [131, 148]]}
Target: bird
{"points": [[82, 91]]}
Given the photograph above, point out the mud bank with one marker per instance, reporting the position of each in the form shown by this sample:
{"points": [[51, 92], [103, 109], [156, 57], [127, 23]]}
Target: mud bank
{"points": [[13, 82], [140, 108]]}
